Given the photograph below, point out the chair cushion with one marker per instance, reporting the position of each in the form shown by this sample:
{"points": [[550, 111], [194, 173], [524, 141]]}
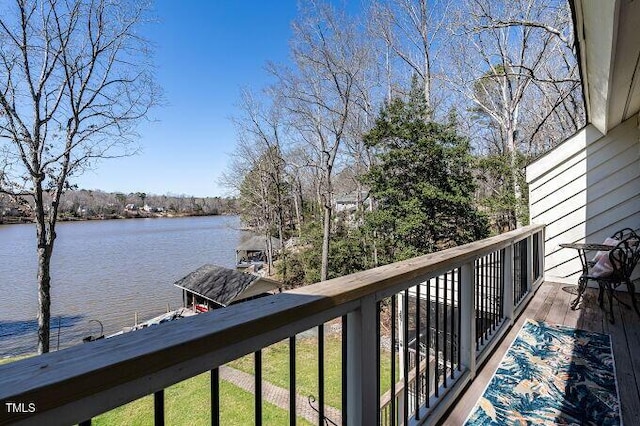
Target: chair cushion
{"points": [[603, 266]]}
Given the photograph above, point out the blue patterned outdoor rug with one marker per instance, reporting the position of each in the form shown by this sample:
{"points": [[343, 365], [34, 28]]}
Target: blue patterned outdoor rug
{"points": [[552, 375]]}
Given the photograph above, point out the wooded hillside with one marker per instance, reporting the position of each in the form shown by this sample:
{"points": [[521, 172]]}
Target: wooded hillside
{"points": [[402, 128]]}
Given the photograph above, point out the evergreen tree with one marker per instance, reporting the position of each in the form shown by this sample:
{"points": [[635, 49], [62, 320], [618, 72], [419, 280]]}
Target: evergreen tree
{"points": [[422, 183]]}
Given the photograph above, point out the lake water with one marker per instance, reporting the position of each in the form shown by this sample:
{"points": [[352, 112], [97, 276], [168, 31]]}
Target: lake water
{"points": [[104, 270]]}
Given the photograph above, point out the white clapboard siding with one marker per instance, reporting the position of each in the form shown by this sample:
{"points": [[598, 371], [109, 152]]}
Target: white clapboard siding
{"points": [[584, 190]]}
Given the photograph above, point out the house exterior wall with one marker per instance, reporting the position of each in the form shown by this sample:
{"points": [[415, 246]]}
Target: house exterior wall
{"points": [[584, 190]]}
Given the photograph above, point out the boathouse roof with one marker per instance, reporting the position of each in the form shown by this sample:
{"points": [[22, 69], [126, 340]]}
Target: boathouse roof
{"points": [[257, 243], [223, 285]]}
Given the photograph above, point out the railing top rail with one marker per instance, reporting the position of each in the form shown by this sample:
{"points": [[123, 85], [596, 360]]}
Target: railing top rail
{"points": [[184, 348]]}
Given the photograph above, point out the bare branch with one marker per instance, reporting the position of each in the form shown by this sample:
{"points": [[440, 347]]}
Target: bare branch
{"points": [[74, 82]]}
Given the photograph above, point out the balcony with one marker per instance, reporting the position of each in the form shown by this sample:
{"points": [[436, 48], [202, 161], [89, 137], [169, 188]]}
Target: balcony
{"points": [[551, 304], [451, 315]]}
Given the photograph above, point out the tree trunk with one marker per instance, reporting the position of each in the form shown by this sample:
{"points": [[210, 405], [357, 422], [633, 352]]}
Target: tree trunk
{"points": [[325, 242], [283, 254], [269, 253], [297, 208], [45, 239], [44, 298], [300, 206], [281, 232], [425, 45], [517, 192]]}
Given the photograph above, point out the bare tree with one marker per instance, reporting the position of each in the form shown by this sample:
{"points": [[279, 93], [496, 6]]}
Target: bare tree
{"points": [[320, 93], [295, 168], [412, 31], [515, 64], [262, 147], [74, 80]]}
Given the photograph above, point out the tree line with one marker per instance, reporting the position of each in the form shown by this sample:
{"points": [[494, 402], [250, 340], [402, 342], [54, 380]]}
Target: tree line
{"points": [[96, 204], [417, 115]]}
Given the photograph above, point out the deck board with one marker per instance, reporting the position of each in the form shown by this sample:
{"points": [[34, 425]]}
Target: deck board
{"points": [[632, 334], [547, 301], [552, 304], [558, 311], [590, 319], [624, 367]]}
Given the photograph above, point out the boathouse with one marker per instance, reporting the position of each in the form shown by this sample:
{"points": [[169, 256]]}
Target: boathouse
{"points": [[211, 287], [252, 252]]}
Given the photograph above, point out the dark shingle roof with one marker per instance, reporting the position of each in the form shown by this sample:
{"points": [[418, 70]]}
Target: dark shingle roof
{"points": [[219, 284]]}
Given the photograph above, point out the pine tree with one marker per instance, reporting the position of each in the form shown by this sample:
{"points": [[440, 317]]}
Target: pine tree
{"points": [[422, 183]]}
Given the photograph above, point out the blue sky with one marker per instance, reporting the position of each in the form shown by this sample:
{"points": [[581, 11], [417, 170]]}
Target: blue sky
{"points": [[205, 52]]}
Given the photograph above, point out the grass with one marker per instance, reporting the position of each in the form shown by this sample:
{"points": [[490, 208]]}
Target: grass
{"points": [[275, 367], [188, 402]]}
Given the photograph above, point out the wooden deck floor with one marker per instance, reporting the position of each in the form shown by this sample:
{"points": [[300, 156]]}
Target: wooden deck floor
{"points": [[551, 304]]}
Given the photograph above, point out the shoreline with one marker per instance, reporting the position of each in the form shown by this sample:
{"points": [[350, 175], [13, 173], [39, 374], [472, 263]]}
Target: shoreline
{"points": [[18, 220]]}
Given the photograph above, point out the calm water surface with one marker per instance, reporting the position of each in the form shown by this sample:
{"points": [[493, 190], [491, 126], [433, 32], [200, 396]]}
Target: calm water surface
{"points": [[104, 270]]}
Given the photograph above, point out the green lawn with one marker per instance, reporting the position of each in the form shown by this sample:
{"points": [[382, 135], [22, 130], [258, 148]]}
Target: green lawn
{"points": [[188, 403], [275, 367]]}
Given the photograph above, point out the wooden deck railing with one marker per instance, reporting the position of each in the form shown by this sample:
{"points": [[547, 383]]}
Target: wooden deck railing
{"points": [[453, 305]]}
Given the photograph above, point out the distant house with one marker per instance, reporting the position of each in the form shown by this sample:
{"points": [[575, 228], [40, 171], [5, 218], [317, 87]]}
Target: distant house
{"points": [[349, 202], [211, 287], [84, 211], [149, 209], [131, 207]]}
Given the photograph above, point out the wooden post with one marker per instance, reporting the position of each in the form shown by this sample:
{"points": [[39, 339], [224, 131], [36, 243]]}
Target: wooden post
{"points": [[507, 272], [361, 364], [468, 318]]}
